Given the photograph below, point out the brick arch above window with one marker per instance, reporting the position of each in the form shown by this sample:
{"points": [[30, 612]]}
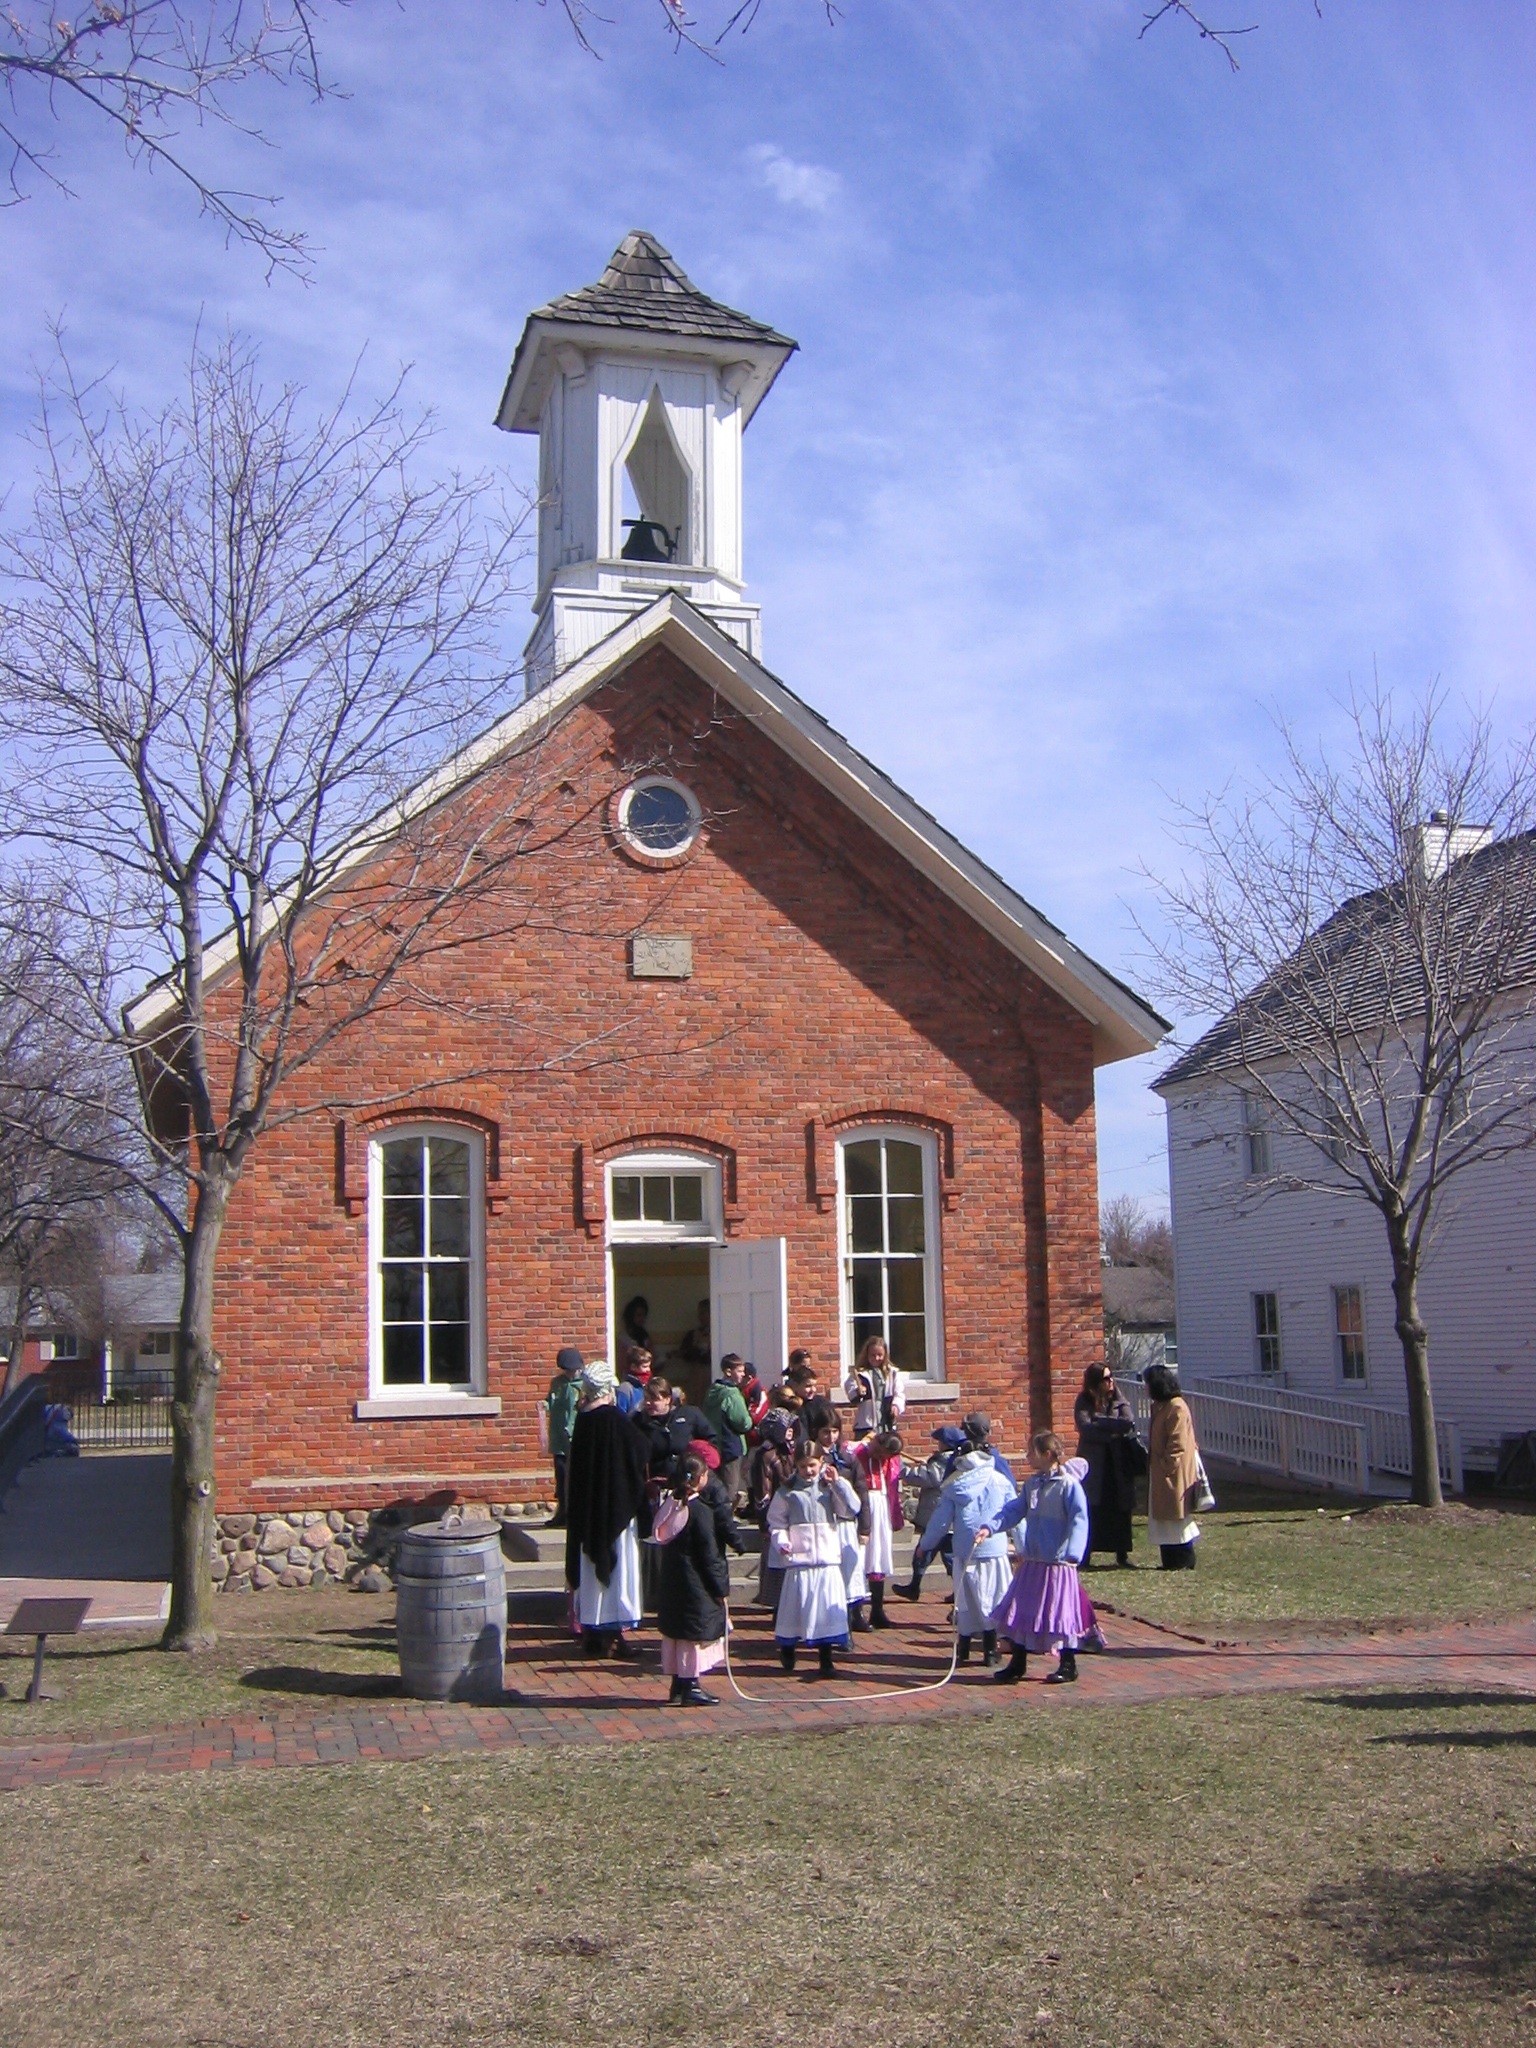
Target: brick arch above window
{"points": [[355, 1135], [592, 1157], [822, 1133]]}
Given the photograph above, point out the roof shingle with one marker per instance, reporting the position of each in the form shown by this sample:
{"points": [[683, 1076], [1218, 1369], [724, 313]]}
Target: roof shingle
{"points": [[644, 287]]}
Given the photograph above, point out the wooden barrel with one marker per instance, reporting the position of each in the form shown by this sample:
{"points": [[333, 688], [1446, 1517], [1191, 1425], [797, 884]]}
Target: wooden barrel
{"points": [[451, 1610]]}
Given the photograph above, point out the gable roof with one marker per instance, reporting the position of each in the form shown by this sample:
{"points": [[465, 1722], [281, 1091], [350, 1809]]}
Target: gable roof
{"points": [[643, 297], [1138, 1297], [1123, 1025], [1363, 965]]}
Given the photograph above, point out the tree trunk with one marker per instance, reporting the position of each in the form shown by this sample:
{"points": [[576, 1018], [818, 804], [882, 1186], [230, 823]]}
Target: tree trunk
{"points": [[193, 1524], [18, 1339], [1424, 1488]]}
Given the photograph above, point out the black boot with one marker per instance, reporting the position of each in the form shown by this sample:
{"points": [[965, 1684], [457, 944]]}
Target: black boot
{"points": [[878, 1618], [591, 1643], [623, 1649], [989, 1647], [824, 1666], [1066, 1671], [787, 1657], [963, 1652], [1014, 1669], [672, 1696], [858, 1620], [913, 1589], [694, 1695]]}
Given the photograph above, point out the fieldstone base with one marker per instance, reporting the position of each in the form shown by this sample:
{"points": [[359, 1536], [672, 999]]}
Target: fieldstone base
{"points": [[331, 1546]]}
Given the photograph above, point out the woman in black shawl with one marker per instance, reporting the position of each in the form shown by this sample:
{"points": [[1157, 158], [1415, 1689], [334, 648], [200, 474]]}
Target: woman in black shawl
{"points": [[1106, 1438], [604, 1497]]}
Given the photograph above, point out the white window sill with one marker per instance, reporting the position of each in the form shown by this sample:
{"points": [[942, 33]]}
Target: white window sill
{"points": [[915, 1390], [427, 1408]]}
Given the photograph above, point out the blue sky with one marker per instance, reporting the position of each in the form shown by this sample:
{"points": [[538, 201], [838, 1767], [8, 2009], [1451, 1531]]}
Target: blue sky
{"points": [[1134, 400]]}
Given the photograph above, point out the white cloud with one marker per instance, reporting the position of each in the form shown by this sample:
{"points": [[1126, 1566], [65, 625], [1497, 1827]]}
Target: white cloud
{"points": [[807, 185]]}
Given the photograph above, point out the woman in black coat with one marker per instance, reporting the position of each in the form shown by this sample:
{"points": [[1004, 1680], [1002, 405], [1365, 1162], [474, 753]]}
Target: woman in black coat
{"points": [[1106, 1437], [695, 1582]]}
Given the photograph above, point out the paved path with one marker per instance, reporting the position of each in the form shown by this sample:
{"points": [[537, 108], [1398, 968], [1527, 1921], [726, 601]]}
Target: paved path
{"points": [[104, 1516], [557, 1697]]}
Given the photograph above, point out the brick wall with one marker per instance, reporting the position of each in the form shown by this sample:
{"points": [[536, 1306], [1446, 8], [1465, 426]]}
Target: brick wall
{"points": [[829, 981]]}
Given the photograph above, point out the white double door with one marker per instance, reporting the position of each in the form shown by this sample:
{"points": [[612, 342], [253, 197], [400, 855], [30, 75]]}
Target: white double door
{"points": [[749, 1305]]}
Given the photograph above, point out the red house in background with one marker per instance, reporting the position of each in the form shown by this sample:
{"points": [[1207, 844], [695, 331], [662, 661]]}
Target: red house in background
{"points": [[761, 1033]]}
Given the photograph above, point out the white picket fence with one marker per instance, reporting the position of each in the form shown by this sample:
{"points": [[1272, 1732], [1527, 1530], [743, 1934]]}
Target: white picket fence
{"points": [[1344, 1444]]}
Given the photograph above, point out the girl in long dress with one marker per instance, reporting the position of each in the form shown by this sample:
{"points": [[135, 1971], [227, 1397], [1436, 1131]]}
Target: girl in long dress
{"points": [[804, 1541], [879, 1461], [605, 1495], [1042, 1609], [695, 1583], [970, 1501]]}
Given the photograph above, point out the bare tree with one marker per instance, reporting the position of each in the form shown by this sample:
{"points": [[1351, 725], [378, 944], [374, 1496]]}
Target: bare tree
{"points": [[150, 68], [1367, 934], [1130, 1236], [63, 1127], [231, 639]]}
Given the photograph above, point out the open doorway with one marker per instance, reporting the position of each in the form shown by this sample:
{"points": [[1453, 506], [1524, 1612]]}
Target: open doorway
{"points": [[673, 1280]]}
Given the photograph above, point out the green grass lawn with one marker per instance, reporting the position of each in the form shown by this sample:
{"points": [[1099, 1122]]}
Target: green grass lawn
{"points": [[1276, 1562], [1357, 1869]]}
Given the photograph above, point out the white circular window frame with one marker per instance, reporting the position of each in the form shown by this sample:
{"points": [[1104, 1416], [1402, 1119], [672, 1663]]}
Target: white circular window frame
{"points": [[660, 856]]}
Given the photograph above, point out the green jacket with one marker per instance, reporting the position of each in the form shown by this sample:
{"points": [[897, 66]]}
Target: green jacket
{"points": [[564, 1400], [730, 1415]]}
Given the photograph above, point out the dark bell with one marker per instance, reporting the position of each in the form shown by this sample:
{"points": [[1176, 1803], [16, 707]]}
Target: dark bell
{"points": [[648, 542]]}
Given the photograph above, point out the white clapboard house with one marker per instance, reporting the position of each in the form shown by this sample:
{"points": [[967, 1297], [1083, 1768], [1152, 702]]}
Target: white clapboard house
{"points": [[1284, 1292]]}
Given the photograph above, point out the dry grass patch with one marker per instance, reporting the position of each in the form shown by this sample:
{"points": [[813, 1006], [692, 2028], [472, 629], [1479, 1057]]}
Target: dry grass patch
{"points": [[1356, 1868]]}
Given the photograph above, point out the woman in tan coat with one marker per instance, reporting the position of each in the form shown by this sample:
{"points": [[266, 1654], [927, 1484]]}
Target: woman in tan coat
{"points": [[1174, 1471]]}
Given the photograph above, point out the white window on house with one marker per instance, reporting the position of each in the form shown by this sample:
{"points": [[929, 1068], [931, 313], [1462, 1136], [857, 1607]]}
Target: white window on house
{"points": [[426, 1238], [156, 1344], [1255, 1139], [888, 1213], [664, 1196], [1266, 1333], [66, 1345], [1349, 1334]]}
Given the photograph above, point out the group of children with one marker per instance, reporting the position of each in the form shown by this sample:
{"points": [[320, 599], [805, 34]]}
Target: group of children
{"points": [[829, 1511]]}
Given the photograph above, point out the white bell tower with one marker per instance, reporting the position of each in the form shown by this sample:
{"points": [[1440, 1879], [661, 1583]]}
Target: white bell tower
{"points": [[639, 389]]}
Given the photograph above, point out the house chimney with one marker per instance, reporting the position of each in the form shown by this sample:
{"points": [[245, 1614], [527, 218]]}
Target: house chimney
{"points": [[1442, 844]]}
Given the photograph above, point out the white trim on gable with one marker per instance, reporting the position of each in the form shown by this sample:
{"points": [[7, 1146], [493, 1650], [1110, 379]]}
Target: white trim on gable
{"points": [[1123, 1026]]}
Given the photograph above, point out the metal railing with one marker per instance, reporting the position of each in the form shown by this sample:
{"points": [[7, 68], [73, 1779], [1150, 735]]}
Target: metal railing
{"points": [[1330, 1442], [129, 1424]]}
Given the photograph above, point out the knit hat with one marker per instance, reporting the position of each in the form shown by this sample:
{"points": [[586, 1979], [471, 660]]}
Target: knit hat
{"points": [[950, 1437], [597, 1378], [978, 1427], [569, 1359]]}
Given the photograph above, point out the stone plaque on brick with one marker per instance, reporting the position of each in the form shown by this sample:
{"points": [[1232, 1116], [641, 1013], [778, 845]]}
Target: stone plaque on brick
{"points": [[659, 959]]}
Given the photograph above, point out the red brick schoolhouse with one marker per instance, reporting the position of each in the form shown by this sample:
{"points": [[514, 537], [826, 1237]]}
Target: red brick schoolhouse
{"points": [[763, 1036]]}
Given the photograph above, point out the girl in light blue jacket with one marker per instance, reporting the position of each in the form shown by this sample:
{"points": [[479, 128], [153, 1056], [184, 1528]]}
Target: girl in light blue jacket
{"points": [[974, 1495], [1042, 1609]]}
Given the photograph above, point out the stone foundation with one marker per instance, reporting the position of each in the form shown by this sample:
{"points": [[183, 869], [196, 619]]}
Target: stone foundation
{"points": [[332, 1547]]}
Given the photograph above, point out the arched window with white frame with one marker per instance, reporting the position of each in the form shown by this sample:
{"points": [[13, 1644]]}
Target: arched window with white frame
{"points": [[426, 1260], [888, 1244]]}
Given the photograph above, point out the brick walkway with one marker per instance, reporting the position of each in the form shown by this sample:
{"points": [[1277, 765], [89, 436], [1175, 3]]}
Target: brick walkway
{"points": [[557, 1697]]}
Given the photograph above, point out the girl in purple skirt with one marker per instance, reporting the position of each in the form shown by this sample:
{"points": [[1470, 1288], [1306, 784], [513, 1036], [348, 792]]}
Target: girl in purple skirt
{"points": [[1042, 1608]]}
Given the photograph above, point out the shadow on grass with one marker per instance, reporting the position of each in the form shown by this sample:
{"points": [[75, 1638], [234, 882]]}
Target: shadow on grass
{"points": [[1462, 1738], [369, 1632], [340, 1685], [1476, 1926], [1418, 1702]]}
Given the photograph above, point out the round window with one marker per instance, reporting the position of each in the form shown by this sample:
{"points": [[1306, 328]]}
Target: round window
{"points": [[659, 818]]}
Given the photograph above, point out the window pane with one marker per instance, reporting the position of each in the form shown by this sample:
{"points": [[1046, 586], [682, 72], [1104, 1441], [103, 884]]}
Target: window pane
{"points": [[905, 1214], [402, 1227], [864, 1224], [449, 1293], [658, 1198], [904, 1287], [450, 1353], [402, 1294], [865, 1327], [687, 1198], [861, 1167], [626, 1198], [402, 1355], [450, 1228], [659, 817], [1347, 1307], [903, 1167], [449, 1166], [909, 1343], [402, 1167], [868, 1299]]}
